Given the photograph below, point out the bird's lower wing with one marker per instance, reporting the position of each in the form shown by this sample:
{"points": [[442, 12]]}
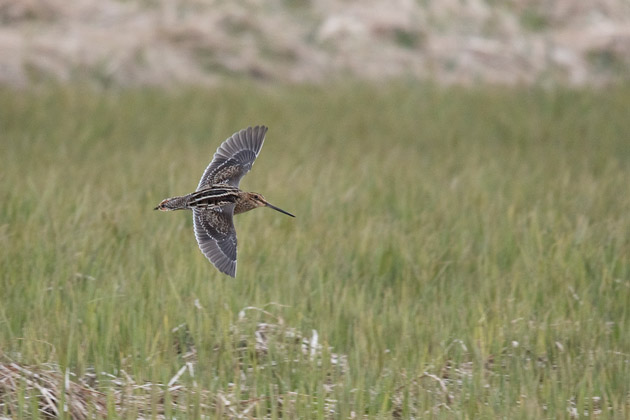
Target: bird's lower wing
{"points": [[215, 233]]}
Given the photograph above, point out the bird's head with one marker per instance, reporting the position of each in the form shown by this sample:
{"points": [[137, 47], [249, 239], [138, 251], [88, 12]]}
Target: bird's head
{"points": [[257, 200]]}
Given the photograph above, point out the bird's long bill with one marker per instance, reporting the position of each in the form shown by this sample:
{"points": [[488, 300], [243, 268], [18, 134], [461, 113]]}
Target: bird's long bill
{"points": [[280, 210]]}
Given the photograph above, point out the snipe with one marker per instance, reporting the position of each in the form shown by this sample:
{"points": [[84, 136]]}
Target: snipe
{"points": [[218, 198]]}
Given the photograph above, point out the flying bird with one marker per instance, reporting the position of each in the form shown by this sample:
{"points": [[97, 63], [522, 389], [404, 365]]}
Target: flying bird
{"points": [[218, 198]]}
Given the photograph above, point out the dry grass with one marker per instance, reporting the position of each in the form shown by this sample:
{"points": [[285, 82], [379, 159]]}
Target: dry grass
{"points": [[170, 42], [48, 391]]}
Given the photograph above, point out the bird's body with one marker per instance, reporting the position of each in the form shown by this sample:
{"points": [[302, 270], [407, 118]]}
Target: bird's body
{"points": [[218, 198], [213, 197]]}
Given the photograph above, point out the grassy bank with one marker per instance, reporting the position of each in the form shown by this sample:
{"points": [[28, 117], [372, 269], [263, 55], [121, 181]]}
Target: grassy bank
{"points": [[460, 251]]}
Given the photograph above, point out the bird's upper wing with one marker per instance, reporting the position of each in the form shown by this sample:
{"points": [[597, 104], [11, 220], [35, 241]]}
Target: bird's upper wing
{"points": [[215, 233], [234, 158]]}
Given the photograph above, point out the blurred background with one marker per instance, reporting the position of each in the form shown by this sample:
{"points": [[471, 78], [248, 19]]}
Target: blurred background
{"points": [[160, 42]]}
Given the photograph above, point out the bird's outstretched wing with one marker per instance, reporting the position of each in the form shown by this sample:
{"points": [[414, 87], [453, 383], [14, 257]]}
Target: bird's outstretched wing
{"points": [[215, 233], [234, 158]]}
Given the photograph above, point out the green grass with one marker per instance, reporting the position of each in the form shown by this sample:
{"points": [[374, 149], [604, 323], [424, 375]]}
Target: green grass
{"points": [[481, 236]]}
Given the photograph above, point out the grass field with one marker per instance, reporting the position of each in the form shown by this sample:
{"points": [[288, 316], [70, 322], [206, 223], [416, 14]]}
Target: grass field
{"points": [[463, 253]]}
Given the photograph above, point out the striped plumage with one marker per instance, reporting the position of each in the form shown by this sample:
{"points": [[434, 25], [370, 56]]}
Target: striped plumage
{"points": [[213, 196], [218, 197]]}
